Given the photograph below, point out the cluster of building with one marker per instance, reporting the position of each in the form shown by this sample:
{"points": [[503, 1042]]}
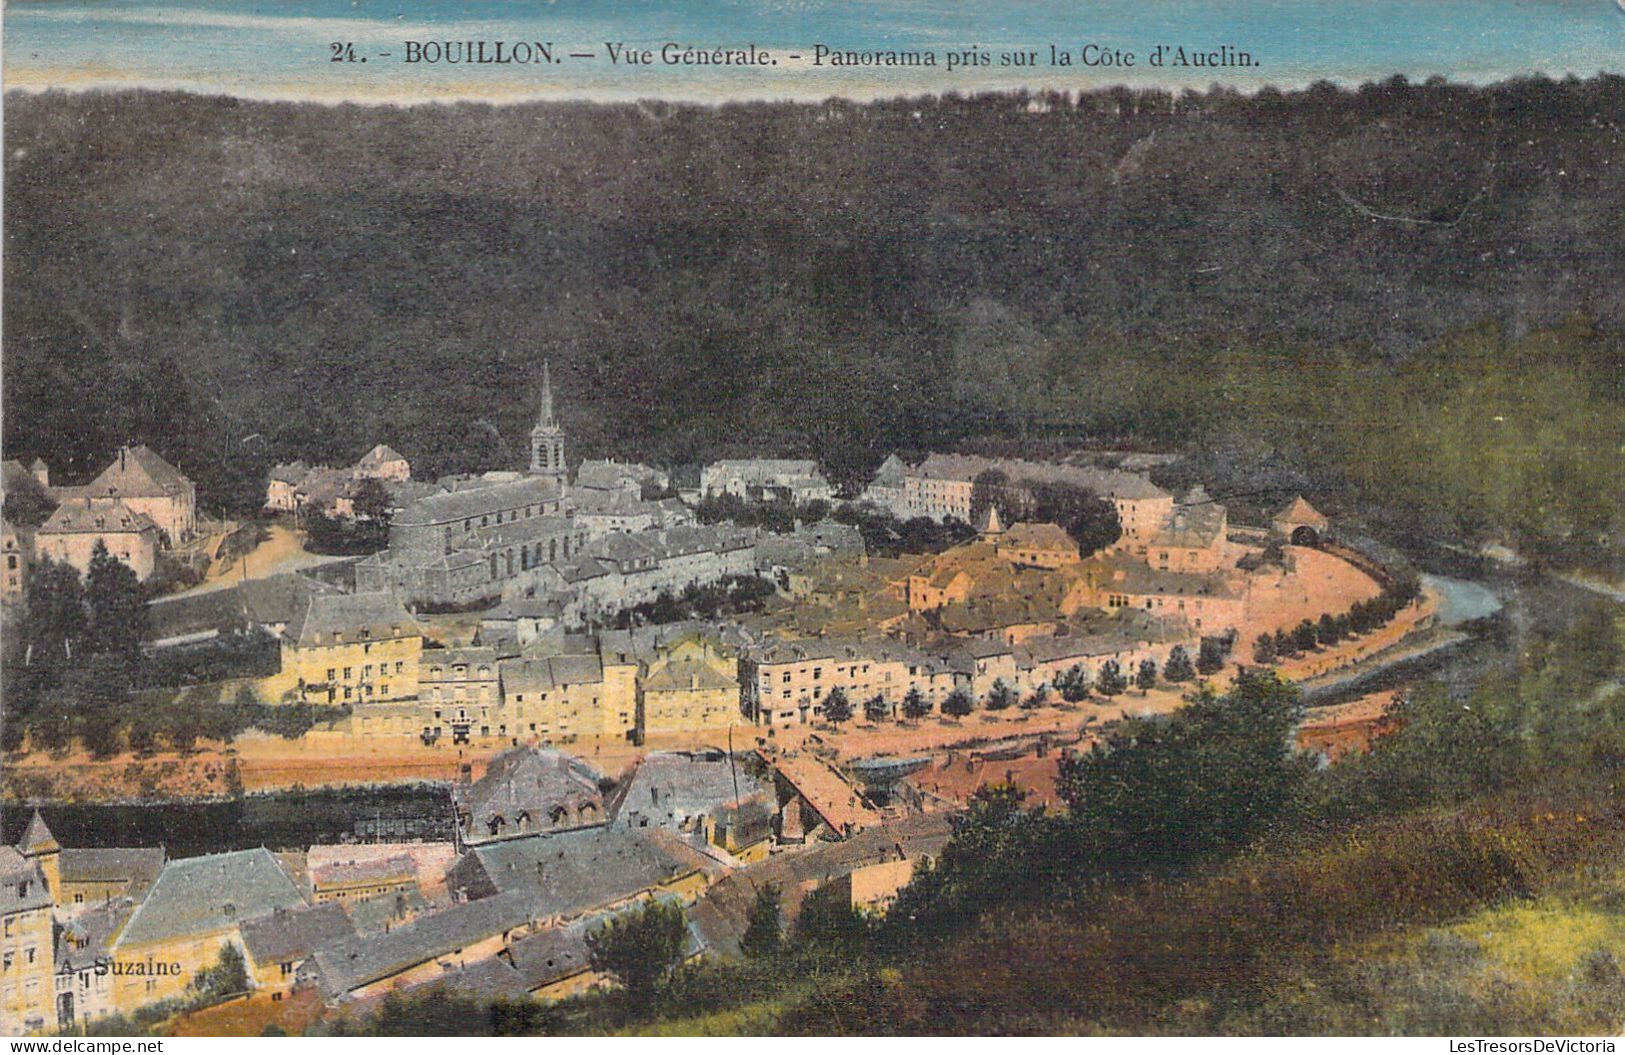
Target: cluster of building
{"points": [[136, 508], [300, 489], [546, 850], [592, 546]]}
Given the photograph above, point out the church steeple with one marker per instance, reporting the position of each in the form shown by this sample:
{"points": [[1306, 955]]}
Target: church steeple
{"points": [[546, 418], [547, 438]]}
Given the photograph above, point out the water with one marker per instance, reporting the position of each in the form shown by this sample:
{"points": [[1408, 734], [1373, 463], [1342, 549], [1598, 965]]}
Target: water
{"points": [[283, 821], [284, 50]]}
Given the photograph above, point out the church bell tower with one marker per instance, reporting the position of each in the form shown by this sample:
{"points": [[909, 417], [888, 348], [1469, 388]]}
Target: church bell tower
{"points": [[547, 438]]}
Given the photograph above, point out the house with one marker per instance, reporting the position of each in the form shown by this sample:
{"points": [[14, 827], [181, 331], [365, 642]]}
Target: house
{"points": [[793, 480], [422, 950], [276, 946], [144, 483], [360, 878], [526, 791], [687, 791], [1046, 546], [690, 685], [383, 463], [17, 554], [191, 913], [84, 986], [72, 534], [1192, 539], [27, 945], [93, 876], [568, 874], [352, 648]]}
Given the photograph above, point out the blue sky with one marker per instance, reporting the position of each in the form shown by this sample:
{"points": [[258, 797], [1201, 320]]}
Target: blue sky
{"points": [[283, 49]]}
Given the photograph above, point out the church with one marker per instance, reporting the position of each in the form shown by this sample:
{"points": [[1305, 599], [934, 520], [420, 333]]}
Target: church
{"points": [[512, 535]]}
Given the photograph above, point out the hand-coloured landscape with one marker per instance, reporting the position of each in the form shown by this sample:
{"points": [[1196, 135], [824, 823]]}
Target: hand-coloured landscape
{"points": [[753, 552]]}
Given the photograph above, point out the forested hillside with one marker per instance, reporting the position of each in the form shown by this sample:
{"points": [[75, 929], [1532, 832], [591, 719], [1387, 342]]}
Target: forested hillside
{"points": [[238, 283]]}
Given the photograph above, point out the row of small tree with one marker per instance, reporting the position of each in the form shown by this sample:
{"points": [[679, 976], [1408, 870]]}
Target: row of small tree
{"points": [[1362, 618], [1074, 685]]}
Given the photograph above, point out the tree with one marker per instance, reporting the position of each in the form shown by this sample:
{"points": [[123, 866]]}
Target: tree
{"points": [[1286, 645], [876, 709], [1074, 684], [828, 919], [1305, 637], [228, 976], [1179, 667], [958, 704], [1264, 650], [1039, 697], [640, 947], [1000, 696], [117, 610], [915, 705], [764, 928], [1210, 657], [1111, 680], [56, 612], [1161, 794], [837, 708], [1326, 630], [370, 499], [1090, 520], [1146, 678]]}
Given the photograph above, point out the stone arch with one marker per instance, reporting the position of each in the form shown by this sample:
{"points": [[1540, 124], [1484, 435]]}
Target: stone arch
{"points": [[1304, 535]]}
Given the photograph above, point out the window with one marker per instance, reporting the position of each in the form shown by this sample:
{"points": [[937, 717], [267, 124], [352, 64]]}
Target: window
{"points": [[331, 673]]}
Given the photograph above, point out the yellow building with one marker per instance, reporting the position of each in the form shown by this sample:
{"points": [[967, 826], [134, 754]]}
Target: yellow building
{"points": [[1037, 546], [194, 910], [361, 878], [355, 649], [558, 699], [690, 686], [27, 940], [276, 946], [1192, 539], [93, 876]]}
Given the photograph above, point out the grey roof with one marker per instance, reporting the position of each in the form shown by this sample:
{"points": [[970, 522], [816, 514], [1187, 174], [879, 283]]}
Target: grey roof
{"points": [[196, 895], [529, 780], [137, 866], [96, 516], [370, 915], [549, 955], [349, 965], [37, 836], [549, 673], [478, 501], [572, 872], [489, 979], [669, 787], [271, 601], [22, 886], [139, 471], [86, 938], [290, 936], [379, 613]]}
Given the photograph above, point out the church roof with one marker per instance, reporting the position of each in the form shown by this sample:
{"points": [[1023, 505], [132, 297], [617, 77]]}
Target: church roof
{"points": [[478, 501], [140, 472]]}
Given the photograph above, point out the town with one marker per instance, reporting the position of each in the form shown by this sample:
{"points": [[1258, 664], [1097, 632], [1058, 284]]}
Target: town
{"points": [[639, 693]]}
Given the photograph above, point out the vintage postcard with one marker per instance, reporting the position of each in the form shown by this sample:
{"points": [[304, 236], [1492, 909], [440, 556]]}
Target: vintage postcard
{"points": [[813, 517]]}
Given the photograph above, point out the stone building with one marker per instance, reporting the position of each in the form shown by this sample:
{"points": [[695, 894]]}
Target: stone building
{"points": [[145, 483], [71, 534], [27, 942], [792, 480], [357, 649]]}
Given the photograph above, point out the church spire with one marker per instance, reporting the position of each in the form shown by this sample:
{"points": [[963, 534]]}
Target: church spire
{"points": [[547, 438], [546, 419]]}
